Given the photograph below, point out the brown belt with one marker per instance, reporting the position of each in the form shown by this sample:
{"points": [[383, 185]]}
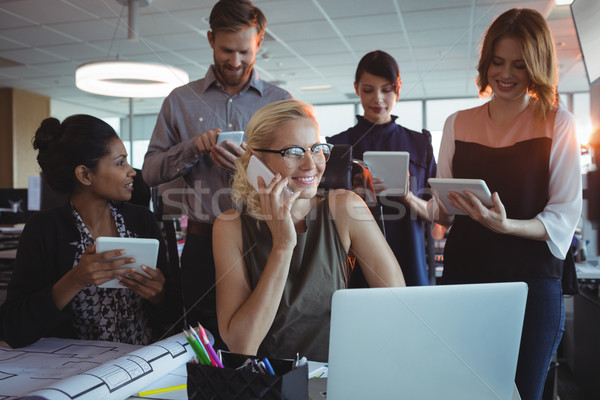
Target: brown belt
{"points": [[202, 229]]}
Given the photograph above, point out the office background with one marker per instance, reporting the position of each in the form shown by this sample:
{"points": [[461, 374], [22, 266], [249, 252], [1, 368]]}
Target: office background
{"points": [[311, 49]]}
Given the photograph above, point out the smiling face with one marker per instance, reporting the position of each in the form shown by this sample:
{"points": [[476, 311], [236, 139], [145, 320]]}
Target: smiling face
{"points": [[377, 96], [112, 179], [234, 54], [507, 73], [307, 175]]}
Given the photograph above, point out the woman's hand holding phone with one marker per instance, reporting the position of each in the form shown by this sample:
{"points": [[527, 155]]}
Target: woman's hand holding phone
{"points": [[257, 168], [276, 202], [277, 211]]}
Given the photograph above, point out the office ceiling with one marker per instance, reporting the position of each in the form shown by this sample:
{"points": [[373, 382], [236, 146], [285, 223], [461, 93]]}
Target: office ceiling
{"points": [[308, 43]]}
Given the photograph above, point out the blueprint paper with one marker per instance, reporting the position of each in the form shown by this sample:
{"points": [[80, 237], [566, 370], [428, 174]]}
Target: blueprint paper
{"points": [[65, 369]]}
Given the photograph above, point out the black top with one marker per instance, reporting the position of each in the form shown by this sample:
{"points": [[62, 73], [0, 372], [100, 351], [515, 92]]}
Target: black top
{"points": [[46, 252], [521, 173], [318, 268]]}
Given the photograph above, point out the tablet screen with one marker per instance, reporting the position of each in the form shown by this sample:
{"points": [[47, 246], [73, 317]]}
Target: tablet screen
{"points": [[443, 186], [392, 167], [145, 252]]}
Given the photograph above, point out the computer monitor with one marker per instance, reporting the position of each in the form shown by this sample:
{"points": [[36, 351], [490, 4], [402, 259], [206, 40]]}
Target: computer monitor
{"points": [[586, 16], [13, 206]]}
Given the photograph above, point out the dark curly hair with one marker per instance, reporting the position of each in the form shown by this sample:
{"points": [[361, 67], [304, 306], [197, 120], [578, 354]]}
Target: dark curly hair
{"points": [[79, 140]]}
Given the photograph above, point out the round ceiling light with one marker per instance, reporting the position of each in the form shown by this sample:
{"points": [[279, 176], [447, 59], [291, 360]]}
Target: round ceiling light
{"points": [[129, 79]]}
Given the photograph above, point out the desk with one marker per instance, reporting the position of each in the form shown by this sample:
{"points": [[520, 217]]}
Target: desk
{"points": [[588, 272], [580, 345], [8, 255], [179, 377], [65, 369]]}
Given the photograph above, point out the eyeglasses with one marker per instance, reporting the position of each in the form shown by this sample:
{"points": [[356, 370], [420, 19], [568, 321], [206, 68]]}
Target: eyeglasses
{"points": [[293, 155]]}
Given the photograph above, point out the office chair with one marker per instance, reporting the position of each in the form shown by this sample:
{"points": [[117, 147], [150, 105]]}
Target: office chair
{"points": [[339, 174], [141, 194], [168, 224]]}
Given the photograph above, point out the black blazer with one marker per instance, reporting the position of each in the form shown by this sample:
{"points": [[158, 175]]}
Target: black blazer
{"points": [[46, 252]]}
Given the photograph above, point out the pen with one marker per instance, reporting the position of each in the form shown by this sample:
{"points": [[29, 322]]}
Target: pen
{"points": [[202, 347], [162, 390], [268, 366], [208, 346]]}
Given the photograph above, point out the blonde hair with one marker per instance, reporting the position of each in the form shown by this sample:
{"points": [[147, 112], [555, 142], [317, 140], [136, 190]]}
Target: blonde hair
{"points": [[259, 135], [530, 28]]}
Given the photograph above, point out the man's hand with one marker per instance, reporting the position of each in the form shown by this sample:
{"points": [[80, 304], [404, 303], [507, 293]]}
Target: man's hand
{"points": [[207, 140], [225, 154]]}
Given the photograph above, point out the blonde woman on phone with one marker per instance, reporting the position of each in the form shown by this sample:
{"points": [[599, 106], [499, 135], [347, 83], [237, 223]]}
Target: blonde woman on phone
{"points": [[278, 261]]}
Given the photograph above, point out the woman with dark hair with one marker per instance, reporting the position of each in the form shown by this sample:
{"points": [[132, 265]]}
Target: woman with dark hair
{"points": [[525, 147], [377, 82], [54, 286]]}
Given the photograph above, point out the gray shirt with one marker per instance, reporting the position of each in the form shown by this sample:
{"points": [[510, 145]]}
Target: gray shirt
{"points": [[187, 112]]}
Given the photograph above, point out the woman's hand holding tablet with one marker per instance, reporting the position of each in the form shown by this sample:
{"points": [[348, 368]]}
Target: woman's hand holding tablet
{"points": [[443, 186], [145, 252]]}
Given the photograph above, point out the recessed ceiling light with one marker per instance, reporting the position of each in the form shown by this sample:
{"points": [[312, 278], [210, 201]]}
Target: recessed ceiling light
{"points": [[563, 2]]}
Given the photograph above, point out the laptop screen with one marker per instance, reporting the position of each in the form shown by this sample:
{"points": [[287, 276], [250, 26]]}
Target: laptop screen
{"points": [[432, 342]]}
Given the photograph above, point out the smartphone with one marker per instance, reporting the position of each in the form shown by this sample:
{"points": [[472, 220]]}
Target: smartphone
{"points": [[257, 168], [233, 136]]}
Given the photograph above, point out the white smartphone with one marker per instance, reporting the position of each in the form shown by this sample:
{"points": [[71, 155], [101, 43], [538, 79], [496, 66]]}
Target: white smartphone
{"points": [[443, 186], [145, 252], [257, 168], [233, 136]]}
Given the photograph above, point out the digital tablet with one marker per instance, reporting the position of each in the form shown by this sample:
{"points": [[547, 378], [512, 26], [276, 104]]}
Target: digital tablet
{"points": [[392, 167], [145, 252], [443, 186]]}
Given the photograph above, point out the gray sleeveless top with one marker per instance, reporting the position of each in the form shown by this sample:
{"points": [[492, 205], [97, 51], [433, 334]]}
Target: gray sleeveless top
{"points": [[318, 268]]}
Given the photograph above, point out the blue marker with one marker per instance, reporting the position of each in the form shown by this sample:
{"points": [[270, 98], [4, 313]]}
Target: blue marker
{"points": [[268, 366]]}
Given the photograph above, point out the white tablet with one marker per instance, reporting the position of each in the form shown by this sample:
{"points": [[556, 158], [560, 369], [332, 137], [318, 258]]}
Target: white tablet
{"points": [[145, 252], [443, 186], [392, 167]]}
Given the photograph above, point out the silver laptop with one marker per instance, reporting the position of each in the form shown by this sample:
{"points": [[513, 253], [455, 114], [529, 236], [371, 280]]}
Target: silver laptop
{"points": [[432, 342]]}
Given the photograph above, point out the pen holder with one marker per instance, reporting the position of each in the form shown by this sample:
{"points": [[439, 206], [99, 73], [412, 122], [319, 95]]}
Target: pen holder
{"points": [[207, 382]]}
